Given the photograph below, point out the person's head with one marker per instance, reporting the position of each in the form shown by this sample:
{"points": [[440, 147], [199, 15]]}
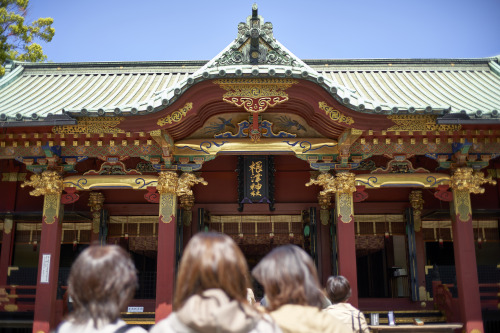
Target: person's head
{"points": [[289, 276], [211, 261], [338, 289], [102, 281]]}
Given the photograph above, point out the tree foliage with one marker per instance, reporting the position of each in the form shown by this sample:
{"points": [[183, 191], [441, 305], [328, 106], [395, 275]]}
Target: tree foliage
{"points": [[17, 38]]}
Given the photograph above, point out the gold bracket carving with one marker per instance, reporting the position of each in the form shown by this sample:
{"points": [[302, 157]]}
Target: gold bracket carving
{"points": [[48, 182], [465, 179], [92, 125], [419, 123], [175, 116], [167, 182], [186, 181], [255, 95], [335, 115]]}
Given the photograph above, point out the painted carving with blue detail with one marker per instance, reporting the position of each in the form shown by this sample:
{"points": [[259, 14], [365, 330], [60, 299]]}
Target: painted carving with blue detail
{"points": [[79, 183], [289, 124], [265, 127], [204, 146], [142, 182], [217, 127], [307, 146]]}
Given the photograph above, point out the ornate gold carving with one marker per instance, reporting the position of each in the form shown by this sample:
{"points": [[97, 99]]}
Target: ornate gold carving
{"points": [[324, 200], [92, 125], [335, 115], [167, 182], [186, 181], [186, 202], [346, 182], [465, 179], [417, 203], [96, 201], [343, 185], [416, 122], [176, 116], [327, 181], [255, 95], [48, 182]]}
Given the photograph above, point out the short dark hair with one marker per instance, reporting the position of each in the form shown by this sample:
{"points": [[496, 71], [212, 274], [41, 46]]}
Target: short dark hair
{"points": [[289, 276], [102, 281], [211, 261], [338, 289]]}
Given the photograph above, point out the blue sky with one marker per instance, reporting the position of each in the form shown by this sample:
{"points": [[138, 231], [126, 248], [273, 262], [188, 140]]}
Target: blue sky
{"points": [[125, 30]]}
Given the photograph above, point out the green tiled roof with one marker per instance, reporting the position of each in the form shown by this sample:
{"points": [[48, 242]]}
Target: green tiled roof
{"points": [[33, 92]]}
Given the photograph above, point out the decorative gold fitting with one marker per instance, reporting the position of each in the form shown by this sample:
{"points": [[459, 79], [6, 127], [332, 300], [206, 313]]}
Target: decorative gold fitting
{"points": [[48, 182], [465, 179], [416, 201], [324, 200], [186, 201], [96, 200]]}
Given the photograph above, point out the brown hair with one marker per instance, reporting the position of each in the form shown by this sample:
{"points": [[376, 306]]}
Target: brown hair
{"points": [[102, 281], [338, 289], [210, 261], [289, 276]]}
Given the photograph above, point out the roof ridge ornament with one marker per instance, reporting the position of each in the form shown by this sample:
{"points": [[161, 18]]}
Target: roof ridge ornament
{"points": [[255, 45]]}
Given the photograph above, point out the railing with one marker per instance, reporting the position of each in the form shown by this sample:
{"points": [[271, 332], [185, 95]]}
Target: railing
{"points": [[17, 298]]}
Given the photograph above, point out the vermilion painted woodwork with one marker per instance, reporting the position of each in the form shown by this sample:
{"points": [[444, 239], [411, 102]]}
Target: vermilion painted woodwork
{"points": [[165, 271], [325, 252], [420, 246], [9, 205], [347, 257], [6, 254], [303, 101], [46, 293], [466, 272]]}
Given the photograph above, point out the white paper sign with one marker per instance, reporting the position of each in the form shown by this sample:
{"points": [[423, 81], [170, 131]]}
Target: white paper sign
{"points": [[135, 309], [44, 276]]}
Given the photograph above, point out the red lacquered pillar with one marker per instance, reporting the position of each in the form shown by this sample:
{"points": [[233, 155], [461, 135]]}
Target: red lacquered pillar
{"points": [[464, 182], [49, 184], [9, 230], [165, 267], [344, 210], [8, 184]]}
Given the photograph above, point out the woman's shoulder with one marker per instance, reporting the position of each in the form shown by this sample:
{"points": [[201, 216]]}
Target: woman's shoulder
{"points": [[170, 324], [69, 327], [266, 324]]}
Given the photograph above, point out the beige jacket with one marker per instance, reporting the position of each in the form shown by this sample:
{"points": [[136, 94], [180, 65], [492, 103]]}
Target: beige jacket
{"points": [[307, 319], [213, 312], [349, 315]]}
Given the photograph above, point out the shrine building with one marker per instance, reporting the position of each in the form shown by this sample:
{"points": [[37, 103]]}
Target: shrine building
{"points": [[383, 170]]}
